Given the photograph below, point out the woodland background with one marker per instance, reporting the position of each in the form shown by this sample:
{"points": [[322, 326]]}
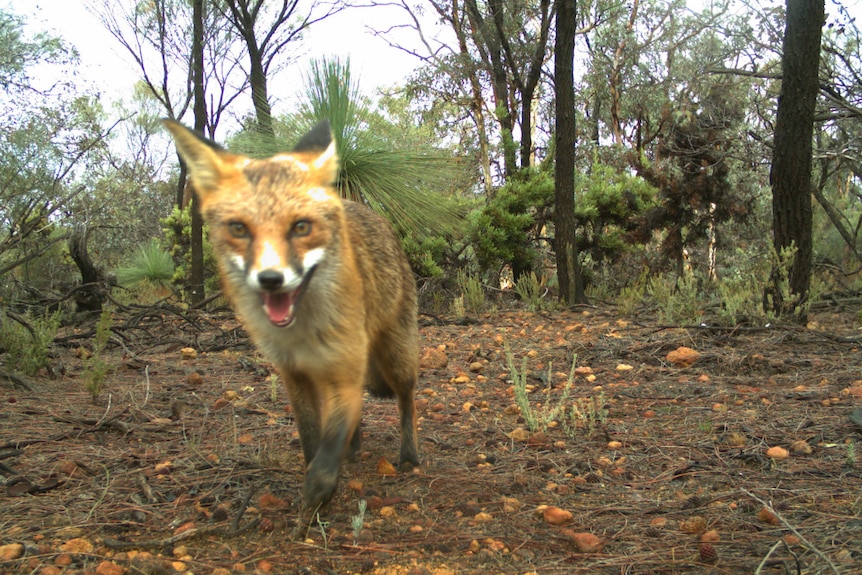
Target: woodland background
{"points": [[668, 151], [583, 188]]}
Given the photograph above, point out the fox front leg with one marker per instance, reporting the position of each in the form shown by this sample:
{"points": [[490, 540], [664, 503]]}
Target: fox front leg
{"points": [[306, 410], [341, 423]]}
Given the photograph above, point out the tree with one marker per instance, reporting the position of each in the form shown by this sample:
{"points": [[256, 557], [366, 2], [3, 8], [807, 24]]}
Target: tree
{"points": [[196, 287], [494, 69], [49, 129], [565, 225], [792, 158], [185, 56], [266, 40]]}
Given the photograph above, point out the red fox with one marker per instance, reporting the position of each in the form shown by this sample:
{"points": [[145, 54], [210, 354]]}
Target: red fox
{"points": [[321, 285]]}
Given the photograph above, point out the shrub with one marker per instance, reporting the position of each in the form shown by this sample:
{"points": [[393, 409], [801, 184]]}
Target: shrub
{"points": [[28, 341]]}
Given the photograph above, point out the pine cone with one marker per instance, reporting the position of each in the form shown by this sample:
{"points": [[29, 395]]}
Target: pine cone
{"points": [[708, 554]]}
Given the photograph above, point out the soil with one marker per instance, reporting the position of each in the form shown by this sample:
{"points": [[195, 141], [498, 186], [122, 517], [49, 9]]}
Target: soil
{"points": [[188, 461]]}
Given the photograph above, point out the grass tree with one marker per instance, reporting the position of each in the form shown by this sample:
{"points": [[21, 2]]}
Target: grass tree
{"points": [[387, 165]]}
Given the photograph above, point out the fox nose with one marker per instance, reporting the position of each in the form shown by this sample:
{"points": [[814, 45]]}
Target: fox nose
{"points": [[270, 279]]}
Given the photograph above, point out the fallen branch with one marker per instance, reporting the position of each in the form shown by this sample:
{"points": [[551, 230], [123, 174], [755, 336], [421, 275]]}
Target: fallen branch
{"points": [[793, 530], [16, 380]]}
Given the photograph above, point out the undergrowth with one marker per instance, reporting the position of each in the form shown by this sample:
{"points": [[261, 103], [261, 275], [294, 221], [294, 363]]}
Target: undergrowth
{"points": [[583, 413], [27, 341]]}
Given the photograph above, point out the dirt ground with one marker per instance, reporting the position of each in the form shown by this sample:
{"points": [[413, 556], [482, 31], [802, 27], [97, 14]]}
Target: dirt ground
{"points": [[190, 462]]}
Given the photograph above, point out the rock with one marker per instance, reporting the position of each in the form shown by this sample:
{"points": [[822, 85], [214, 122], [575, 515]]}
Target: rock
{"points": [[683, 357]]}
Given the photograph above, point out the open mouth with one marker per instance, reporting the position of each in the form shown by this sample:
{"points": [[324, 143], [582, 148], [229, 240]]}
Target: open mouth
{"points": [[280, 306]]}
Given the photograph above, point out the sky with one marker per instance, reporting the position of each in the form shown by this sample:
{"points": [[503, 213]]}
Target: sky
{"points": [[105, 64]]}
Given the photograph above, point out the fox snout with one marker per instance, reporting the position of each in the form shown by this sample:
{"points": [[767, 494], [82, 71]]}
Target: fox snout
{"points": [[270, 280], [278, 300]]}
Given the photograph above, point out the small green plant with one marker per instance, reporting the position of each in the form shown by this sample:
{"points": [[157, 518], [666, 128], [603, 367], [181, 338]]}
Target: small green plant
{"points": [[27, 341], [538, 419], [677, 299], [589, 412], [96, 369], [850, 460], [779, 286], [472, 293], [531, 290], [357, 522], [741, 298], [632, 295], [151, 270], [519, 382]]}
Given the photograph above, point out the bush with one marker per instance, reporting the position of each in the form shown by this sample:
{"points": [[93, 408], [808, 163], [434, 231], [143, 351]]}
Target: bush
{"points": [[27, 345], [507, 228]]}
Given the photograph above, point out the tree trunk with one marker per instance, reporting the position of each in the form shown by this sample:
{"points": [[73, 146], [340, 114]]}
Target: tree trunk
{"points": [[259, 92], [565, 226], [496, 68], [91, 295], [791, 163], [195, 288]]}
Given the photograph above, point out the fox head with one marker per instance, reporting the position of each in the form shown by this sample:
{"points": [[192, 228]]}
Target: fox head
{"points": [[272, 222]]}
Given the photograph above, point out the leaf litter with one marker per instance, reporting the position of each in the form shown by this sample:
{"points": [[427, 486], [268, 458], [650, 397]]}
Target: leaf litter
{"points": [[190, 462]]}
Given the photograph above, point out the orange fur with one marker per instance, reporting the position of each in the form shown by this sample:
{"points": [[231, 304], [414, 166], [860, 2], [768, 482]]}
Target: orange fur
{"points": [[321, 285]]}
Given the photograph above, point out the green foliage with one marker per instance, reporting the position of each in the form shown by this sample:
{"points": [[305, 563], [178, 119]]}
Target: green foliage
{"points": [[779, 286], [531, 291], [609, 205], [522, 399], [95, 368], [539, 419], [741, 291], [177, 229], [472, 294], [151, 270], [677, 298], [426, 254], [48, 126], [27, 349], [504, 230], [633, 295], [357, 522]]}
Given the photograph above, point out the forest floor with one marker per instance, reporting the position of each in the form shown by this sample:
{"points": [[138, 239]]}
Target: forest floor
{"points": [[190, 462]]}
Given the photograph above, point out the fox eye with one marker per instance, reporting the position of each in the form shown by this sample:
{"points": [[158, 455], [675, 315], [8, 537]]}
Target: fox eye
{"points": [[238, 229], [301, 228]]}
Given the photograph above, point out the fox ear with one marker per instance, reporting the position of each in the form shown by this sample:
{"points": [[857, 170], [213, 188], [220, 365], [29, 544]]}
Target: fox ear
{"points": [[204, 158], [320, 140]]}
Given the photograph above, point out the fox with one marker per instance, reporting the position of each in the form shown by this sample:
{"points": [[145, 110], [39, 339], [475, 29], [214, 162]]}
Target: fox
{"points": [[320, 284]]}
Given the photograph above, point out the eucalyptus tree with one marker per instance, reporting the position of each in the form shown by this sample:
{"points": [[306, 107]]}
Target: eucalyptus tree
{"points": [[565, 224], [792, 158], [838, 137], [489, 59], [159, 35], [656, 108], [268, 30]]}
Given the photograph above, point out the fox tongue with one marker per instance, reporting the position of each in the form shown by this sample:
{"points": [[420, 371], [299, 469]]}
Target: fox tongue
{"points": [[279, 307]]}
